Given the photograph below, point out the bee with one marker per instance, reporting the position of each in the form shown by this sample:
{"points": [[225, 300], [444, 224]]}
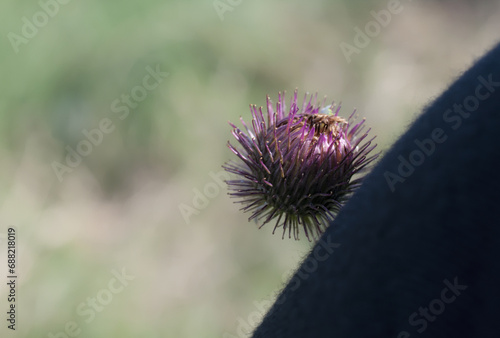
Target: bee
{"points": [[324, 123]]}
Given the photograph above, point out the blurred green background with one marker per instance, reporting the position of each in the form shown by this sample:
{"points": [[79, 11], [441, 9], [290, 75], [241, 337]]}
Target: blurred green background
{"points": [[211, 273]]}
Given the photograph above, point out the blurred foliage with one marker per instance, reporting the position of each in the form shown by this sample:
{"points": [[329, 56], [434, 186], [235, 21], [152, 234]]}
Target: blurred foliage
{"points": [[120, 206]]}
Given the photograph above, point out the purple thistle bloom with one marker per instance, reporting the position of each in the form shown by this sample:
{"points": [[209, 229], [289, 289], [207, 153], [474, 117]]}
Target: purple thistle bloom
{"points": [[297, 166]]}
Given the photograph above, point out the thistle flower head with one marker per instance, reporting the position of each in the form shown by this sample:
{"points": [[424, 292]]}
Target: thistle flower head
{"points": [[297, 166]]}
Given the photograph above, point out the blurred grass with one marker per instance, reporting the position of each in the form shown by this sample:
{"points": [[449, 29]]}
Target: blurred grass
{"points": [[120, 206]]}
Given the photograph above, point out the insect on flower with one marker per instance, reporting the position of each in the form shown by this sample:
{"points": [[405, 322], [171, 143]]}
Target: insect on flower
{"points": [[297, 166]]}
